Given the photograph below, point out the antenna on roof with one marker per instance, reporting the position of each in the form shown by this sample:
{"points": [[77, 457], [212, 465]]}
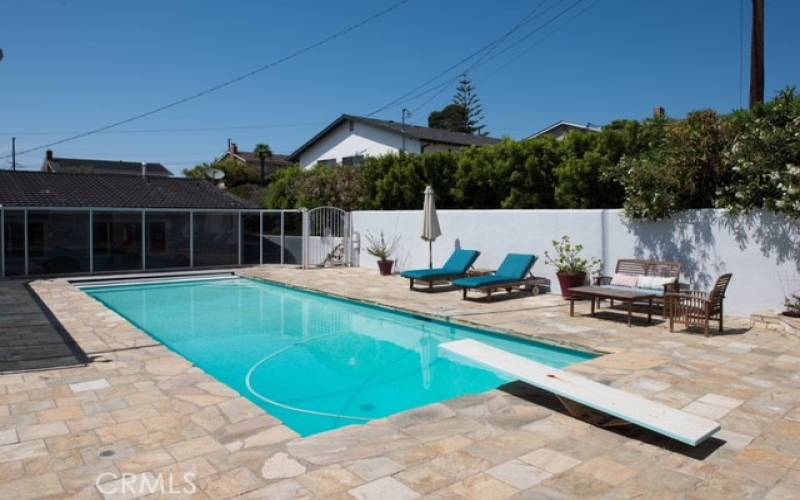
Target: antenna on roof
{"points": [[215, 174]]}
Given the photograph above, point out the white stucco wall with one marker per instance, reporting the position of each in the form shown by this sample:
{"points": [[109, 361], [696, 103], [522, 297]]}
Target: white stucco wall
{"points": [[762, 251], [364, 139]]}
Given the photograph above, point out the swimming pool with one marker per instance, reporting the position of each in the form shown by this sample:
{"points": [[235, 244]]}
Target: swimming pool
{"points": [[315, 362]]}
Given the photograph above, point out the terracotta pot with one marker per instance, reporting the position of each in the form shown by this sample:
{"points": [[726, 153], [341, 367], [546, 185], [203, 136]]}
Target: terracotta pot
{"points": [[570, 280], [385, 266]]}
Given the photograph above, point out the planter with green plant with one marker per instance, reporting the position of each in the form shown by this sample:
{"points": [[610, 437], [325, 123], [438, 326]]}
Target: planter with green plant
{"points": [[572, 268], [792, 306], [379, 247]]}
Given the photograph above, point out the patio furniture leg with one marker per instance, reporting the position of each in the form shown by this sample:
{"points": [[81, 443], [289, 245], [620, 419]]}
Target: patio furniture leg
{"points": [[630, 311], [650, 310], [721, 315], [572, 306], [410, 284], [430, 285], [464, 294], [706, 327], [612, 303], [593, 306]]}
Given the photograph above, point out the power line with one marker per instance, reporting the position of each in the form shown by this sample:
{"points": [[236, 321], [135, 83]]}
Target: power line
{"points": [[489, 46], [224, 84], [487, 59], [169, 130]]}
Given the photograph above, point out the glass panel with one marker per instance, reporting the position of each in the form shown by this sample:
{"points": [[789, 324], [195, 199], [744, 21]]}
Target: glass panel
{"points": [[293, 238], [216, 239], [14, 242], [272, 237], [167, 239], [251, 235], [117, 241], [58, 241]]}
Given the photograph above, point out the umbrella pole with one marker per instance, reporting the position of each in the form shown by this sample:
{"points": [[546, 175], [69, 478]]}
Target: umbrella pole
{"points": [[430, 254]]}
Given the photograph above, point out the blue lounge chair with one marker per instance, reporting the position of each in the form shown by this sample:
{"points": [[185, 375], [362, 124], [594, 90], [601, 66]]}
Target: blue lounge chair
{"points": [[512, 272], [456, 267]]}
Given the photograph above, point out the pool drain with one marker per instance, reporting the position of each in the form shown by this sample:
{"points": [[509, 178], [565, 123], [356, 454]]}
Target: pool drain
{"points": [[367, 407]]}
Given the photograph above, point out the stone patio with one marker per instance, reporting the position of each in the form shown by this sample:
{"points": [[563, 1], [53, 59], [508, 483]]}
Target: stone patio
{"points": [[121, 403]]}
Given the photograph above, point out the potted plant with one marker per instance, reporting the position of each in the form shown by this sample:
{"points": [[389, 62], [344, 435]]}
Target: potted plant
{"points": [[792, 305], [382, 249], [572, 268]]}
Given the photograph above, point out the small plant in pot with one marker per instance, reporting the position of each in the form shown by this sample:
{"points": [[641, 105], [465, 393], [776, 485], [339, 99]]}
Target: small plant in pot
{"points": [[792, 305], [572, 268], [379, 247]]}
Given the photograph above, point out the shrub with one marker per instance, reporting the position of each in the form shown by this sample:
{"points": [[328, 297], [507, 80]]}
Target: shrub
{"points": [[764, 157]]}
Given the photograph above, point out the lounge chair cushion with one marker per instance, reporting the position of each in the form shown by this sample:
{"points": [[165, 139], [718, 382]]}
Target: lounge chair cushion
{"points": [[622, 279], [516, 266], [513, 270], [426, 274], [457, 265]]}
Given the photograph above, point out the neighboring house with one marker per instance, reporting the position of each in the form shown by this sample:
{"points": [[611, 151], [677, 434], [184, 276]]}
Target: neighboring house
{"points": [[53, 164], [561, 129], [271, 165], [350, 138]]}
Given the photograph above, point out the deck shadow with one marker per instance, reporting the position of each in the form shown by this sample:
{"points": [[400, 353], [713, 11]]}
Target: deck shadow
{"points": [[548, 400], [31, 338]]}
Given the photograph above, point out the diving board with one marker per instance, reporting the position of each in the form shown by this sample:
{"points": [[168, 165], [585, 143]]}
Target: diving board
{"points": [[657, 417]]}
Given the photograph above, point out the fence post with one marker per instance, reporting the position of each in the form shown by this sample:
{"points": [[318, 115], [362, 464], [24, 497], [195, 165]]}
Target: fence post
{"points": [[2, 241], [305, 237], [91, 241]]}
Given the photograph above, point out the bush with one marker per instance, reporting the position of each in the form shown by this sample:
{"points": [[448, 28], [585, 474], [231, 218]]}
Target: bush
{"points": [[764, 158], [682, 171], [294, 187]]}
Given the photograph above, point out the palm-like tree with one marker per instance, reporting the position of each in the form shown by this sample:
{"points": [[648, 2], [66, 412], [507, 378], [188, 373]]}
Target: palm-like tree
{"points": [[263, 151]]}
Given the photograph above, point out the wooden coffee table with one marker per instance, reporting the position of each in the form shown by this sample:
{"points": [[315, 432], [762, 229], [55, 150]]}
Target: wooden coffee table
{"points": [[602, 292]]}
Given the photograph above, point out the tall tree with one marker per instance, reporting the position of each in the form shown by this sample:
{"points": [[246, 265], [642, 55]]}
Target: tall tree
{"points": [[467, 99], [464, 114], [263, 151]]}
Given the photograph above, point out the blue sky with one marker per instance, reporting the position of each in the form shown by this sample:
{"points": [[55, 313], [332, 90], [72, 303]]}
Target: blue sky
{"points": [[71, 66]]}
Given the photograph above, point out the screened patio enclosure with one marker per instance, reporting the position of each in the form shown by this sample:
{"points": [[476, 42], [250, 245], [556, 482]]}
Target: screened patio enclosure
{"points": [[52, 241]]}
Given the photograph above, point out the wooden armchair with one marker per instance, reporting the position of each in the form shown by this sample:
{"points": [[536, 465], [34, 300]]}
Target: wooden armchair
{"points": [[698, 308]]}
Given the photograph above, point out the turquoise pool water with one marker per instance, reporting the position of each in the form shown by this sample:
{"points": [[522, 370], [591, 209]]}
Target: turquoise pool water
{"points": [[315, 362]]}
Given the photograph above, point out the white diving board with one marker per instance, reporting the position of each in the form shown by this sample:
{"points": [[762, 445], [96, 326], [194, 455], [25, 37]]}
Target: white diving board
{"points": [[657, 417]]}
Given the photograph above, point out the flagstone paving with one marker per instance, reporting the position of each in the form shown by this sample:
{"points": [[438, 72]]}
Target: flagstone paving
{"points": [[134, 407]]}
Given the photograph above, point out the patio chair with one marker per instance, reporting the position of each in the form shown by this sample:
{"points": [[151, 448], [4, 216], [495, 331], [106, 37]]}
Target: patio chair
{"points": [[513, 272], [698, 308], [456, 266]]}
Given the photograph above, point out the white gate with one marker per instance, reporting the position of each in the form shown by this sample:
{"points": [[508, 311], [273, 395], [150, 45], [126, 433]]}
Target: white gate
{"points": [[329, 238]]}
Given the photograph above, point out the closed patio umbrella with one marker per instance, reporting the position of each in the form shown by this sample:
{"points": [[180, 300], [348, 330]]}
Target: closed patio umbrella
{"points": [[430, 223]]}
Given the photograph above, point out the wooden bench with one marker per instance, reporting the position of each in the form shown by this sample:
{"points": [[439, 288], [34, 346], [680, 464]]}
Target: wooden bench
{"points": [[642, 267], [578, 393]]}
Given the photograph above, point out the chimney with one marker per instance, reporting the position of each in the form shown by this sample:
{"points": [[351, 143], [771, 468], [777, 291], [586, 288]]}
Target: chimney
{"points": [[144, 169], [49, 155], [659, 112], [234, 148]]}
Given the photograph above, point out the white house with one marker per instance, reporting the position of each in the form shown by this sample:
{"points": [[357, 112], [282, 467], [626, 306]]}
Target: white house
{"points": [[350, 138], [561, 129]]}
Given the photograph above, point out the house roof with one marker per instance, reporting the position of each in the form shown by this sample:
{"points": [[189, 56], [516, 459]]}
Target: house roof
{"points": [[90, 166], [427, 134], [276, 161], [42, 189], [563, 123]]}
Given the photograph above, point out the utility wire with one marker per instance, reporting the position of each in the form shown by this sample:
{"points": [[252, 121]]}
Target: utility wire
{"points": [[224, 84], [166, 130], [487, 59], [488, 47]]}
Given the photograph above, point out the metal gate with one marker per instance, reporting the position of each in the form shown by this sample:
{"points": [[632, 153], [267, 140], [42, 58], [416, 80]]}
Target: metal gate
{"points": [[329, 237]]}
